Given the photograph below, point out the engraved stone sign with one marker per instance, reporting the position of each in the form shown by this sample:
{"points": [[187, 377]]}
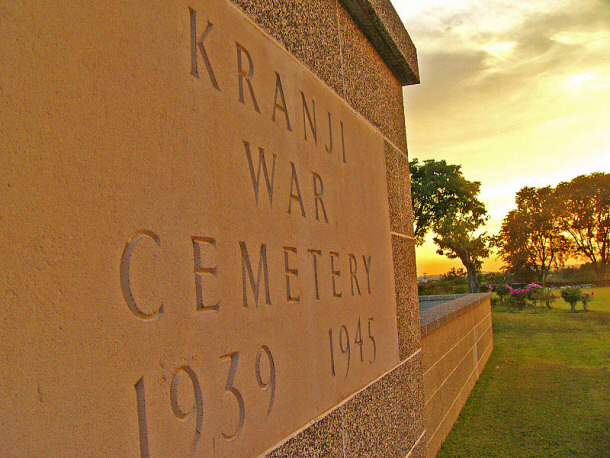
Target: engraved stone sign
{"points": [[195, 234]]}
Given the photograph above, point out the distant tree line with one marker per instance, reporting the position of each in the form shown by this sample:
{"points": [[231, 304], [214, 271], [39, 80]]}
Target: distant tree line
{"points": [[548, 227], [551, 225]]}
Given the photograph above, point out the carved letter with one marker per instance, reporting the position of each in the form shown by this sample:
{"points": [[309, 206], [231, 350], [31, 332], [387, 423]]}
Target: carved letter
{"points": [[295, 181], [353, 268], [367, 268], [315, 253], [246, 269], [317, 195], [290, 272], [125, 284], [343, 141], [279, 90], [334, 273], [199, 43], [307, 116], [247, 76], [256, 179], [201, 271], [329, 149]]}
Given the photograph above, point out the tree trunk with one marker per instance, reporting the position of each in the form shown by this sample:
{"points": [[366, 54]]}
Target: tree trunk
{"points": [[473, 283]]}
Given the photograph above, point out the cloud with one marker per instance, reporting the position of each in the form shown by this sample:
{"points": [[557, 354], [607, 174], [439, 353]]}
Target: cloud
{"points": [[516, 92], [477, 82]]}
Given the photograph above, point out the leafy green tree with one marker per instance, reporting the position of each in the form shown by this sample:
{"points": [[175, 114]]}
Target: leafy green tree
{"points": [[585, 216], [457, 236], [531, 236], [445, 202], [438, 188]]}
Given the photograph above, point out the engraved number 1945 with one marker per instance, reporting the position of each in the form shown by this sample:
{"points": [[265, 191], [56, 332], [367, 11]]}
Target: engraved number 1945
{"points": [[345, 347]]}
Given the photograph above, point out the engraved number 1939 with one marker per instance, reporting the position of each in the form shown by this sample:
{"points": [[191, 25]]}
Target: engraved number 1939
{"points": [[197, 409]]}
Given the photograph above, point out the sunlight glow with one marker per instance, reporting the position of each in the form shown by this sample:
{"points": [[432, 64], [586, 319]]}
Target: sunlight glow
{"points": [[581, 78], [499, 50], [518, 93]]}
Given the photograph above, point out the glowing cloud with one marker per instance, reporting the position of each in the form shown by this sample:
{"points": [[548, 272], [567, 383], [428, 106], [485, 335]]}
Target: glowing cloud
{"points": [[516, 92]]}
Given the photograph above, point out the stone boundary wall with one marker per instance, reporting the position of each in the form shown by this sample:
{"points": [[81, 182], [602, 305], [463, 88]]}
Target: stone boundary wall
{"points": [[457, 339]]}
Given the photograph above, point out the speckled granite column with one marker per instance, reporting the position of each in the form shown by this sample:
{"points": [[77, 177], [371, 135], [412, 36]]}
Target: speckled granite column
{"points": [[383, 419], [403, 246], [362, 51]]}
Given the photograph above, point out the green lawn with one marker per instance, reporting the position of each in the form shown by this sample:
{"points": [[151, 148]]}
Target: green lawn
{"points": [[546, 388]]}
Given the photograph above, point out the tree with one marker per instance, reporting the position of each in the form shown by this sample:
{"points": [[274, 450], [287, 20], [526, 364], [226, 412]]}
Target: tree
{"points": [[531, 236], [447, 203], [438, 188], [456, 237], [585, 216]]}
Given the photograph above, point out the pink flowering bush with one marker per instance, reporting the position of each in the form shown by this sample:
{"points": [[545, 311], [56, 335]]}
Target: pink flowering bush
{"points": [[519, 297], [500, 290], [533, 294]]}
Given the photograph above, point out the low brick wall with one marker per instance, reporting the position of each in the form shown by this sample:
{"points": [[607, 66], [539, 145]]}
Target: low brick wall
{"points": [[457, 339]]}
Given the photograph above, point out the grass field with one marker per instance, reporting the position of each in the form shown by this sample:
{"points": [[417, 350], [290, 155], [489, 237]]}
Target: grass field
{"points": [[546, 388]]}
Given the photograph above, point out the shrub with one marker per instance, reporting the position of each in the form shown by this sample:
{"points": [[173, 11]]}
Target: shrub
{"points": [[544, 296], [586, 298], [501, 290], [518, 297], [572, 295]]}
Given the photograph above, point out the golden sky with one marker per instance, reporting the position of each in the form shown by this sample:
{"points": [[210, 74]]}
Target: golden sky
{"points": [[518, 93]]}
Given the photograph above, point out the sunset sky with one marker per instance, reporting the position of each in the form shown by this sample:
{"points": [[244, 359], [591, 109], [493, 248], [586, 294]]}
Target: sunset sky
{"points": [[518, 93]]}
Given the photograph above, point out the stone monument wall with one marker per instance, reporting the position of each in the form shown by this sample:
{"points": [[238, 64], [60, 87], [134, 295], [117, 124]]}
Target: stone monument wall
{"points": [[206, 229]]}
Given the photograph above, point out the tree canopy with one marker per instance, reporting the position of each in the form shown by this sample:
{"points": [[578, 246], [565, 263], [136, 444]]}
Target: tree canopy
{"points": [[531, 238], [457, 238], [551, 225], [445, 202], [548, 227], [438, 188], [584, 215]]}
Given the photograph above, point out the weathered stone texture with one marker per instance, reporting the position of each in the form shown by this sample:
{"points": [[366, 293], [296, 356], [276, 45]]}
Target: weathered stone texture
{"points": [[407, 305], [384, 28], [384, 419], [399, 190]]}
